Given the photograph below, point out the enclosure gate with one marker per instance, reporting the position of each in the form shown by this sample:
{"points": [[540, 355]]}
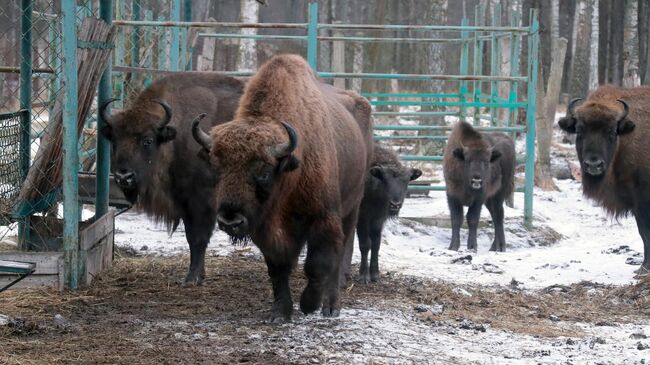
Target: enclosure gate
{"points": [[468, 102]]}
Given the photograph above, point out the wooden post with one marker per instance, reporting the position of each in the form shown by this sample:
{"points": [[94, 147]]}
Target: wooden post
{"points": [[338, 58], [546, 117]]}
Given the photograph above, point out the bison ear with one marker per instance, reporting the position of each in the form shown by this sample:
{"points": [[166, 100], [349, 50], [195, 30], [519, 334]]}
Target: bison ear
{"points": [[568, 124], [166, 134], [459, 153], [107, 131], [495, 155], [288, 163], [625, 126], [415, 173], [377, 172]]}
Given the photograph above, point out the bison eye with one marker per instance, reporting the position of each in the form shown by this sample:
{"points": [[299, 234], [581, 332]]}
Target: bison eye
{"points": [[264, 178]]}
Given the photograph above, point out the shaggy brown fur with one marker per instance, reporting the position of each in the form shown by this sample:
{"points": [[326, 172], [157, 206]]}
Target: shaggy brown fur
{"points": [[168, 183], [312, 194], [612, 152], [478, 168]]}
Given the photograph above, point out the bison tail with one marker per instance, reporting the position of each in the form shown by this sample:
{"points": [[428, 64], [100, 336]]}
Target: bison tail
{"points": [[174, 226]]}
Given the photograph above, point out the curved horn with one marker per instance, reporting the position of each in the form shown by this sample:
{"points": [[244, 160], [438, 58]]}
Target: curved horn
{"points": [[284, 149], [626, 109], [199, 135], [103, 111], [572, 103], [168, 113]]}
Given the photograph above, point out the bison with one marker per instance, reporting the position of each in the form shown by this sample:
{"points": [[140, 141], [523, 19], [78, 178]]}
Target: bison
{"points": [[291, 169], [612, 131], [384, 193], [479, 169], [153, 154]]}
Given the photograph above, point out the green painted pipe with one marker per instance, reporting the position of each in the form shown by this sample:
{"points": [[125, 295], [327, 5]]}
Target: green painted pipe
{"points": [[103, 146]]}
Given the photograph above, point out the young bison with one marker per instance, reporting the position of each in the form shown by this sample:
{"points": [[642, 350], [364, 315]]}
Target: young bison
{"points": [[479, 169], [383, 197], [612, 134]]}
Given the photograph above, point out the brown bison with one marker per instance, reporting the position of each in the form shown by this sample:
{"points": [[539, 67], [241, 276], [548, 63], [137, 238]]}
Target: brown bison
{"points": [[384, 194], [153, 154], [612, 133], [479, 169], [291, 169]]}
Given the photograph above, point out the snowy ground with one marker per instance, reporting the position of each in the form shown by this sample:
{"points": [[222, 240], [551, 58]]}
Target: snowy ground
{"points": [[590, 247]]}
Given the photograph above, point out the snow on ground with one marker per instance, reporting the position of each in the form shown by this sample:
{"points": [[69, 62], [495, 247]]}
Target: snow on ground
{"points": [[590, 247]]}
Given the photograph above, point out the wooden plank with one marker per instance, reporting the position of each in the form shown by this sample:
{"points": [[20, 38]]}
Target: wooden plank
{"points": [[16, 266], [32, 281], [94, 233], [88, 191], [46, 262]]}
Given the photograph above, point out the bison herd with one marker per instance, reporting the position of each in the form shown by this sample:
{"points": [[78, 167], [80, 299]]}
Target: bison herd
{"points": [[287, 161]]}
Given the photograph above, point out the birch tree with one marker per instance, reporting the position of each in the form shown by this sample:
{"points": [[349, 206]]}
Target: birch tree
{"points": [[250, 11], [631, 43]]}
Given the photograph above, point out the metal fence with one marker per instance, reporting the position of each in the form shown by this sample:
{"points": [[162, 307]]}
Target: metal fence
{"points": [[476, 97], [38, 79]]}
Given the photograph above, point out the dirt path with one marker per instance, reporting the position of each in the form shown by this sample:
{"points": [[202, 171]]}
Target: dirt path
{"points": [[137, 314]]}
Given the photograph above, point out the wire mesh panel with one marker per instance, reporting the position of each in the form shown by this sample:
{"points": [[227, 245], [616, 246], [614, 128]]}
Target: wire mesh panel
{"points": [[11, 175]]}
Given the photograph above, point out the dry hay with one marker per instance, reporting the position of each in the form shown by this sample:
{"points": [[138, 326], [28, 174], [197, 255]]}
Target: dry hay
{"points": [[107, 322]]}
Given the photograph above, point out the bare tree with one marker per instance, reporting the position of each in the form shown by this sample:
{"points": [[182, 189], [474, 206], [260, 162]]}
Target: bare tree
{"points": [[631, 54], [581, 63], [250, 11]]}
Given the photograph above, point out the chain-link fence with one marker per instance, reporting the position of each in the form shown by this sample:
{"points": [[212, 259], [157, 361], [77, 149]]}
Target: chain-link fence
{"points": [[32, 214]]}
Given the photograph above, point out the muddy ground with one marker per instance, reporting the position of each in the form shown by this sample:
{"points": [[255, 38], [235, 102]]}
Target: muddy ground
{"points": [[136, 313]]}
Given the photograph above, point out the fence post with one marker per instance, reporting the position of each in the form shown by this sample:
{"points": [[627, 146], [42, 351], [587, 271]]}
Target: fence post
{"points": [[338, 57], [312, 36], [464, 69], [70, 153], [174, 49], [26, 104], [103, 147], [135, 34], [533, 43]]}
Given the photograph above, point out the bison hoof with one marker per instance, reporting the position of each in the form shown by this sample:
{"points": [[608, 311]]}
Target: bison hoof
{"points": [[374, 277], [331, 312], [191, 281], [278, 318], [310, 299], [641, 272], [454, 247], [364, 279]]}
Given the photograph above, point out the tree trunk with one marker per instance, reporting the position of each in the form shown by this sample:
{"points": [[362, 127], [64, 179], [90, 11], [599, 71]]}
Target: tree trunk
{"points": [[250, 10], [603, 41], [546, 117], [567, 18], [593, 54], [581, 64], [631, 43]]}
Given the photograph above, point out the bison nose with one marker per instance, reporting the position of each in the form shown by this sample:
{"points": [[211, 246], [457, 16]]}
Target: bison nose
{"points": [[477, 182], [124, 177], [594, 166], [394, 205], [235, 224]]}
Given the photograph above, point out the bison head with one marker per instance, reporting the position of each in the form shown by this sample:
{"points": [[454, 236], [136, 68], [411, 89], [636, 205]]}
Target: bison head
{"points": [[597, 127], [477, 162], [394, 182], [251, 159], [136, 135]]}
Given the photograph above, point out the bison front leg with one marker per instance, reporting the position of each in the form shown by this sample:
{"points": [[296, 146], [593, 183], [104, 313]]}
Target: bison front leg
{"points": [[282, 304], [198, 231], [349, 223], [456, 214], [324, 253], [364, 247], [495, 206], [643, 225], [473, 215], [375, 238]]}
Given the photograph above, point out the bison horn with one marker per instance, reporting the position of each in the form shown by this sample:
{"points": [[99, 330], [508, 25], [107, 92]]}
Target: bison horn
{"points": [[284, 149], [571, 105], [103, 111], [199, 135], [168, 113], [626, 109]]}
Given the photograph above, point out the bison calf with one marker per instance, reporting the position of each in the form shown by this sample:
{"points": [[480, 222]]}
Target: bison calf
{"points": [[479, 169], [383, 196], [612, 134]]}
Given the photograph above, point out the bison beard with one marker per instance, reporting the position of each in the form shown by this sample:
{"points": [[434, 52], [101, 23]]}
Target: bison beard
{"points": [[612, 133], [279, 180]]}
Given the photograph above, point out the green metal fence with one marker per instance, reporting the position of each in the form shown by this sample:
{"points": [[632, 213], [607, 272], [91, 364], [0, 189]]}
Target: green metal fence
{"points": [[476, 97], [38, 75]]}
